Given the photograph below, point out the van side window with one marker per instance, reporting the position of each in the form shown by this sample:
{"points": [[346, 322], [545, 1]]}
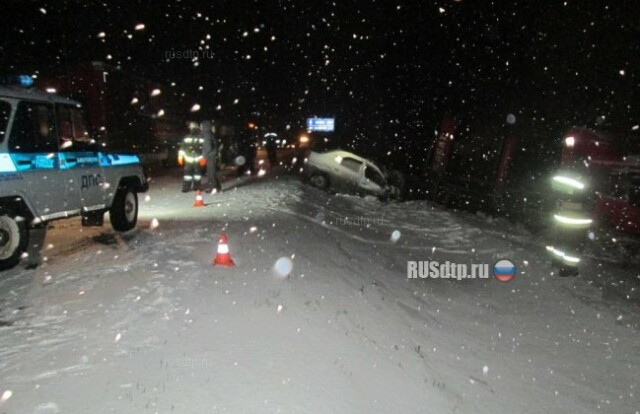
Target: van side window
{"points": [[72, 128], [33, 129], [5, 113]]}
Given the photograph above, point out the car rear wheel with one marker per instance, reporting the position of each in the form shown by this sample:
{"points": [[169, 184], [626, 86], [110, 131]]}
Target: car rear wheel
{"points": [[13, 241], [124, 210], [320, 181]]}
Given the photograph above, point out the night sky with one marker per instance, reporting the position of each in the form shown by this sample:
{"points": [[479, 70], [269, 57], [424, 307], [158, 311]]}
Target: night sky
{"points": [[387, 70]]}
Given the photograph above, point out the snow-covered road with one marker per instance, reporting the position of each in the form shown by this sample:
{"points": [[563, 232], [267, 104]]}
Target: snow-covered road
{"points": [[144, 323]]}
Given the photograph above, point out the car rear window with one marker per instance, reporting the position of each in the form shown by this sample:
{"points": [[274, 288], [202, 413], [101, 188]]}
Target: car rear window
{"points": [[5, 113], [373, 175]]}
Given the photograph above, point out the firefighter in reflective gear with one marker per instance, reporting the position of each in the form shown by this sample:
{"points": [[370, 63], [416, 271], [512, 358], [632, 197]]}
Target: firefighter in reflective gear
{"points": [[191, 158], [571, 220]]}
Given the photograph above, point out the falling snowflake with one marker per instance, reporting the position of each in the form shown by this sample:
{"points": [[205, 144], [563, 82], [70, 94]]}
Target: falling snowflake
{"points": [[6, 395], [283, 267]]}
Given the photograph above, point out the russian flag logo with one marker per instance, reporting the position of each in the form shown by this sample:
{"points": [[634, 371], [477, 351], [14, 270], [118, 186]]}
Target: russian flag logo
{"points": [[504, 271]]}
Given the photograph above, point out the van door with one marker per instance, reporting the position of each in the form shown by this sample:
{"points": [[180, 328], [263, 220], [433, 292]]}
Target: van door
{"points": [[33, 148], [79, 158]]}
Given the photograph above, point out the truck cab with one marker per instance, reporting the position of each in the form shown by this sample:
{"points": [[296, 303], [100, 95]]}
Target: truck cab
{"points": [[51, 169]]}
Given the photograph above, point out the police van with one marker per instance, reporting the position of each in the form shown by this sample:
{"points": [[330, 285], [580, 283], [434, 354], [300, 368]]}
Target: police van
{"points": [[50, 169]]}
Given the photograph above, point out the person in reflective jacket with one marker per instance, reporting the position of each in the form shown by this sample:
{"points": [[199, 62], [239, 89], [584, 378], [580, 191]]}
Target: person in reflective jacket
{"points": [[191, 158], [571, 219]]}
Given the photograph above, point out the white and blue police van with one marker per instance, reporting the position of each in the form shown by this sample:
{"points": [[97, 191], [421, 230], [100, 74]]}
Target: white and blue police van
{"points": [[50, 169]]}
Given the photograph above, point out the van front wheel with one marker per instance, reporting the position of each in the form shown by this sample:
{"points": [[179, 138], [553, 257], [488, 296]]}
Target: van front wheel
{"points": [[124, 210]]}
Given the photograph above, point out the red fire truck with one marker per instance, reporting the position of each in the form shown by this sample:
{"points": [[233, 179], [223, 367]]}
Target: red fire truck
{"points": [[614, 159], [486, 164], [506, 170]]}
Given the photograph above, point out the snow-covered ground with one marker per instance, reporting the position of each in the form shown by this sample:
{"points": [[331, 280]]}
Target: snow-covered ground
{"points": [[145, 323]]}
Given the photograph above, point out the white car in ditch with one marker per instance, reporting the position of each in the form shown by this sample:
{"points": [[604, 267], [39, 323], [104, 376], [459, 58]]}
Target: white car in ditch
{"points": [[343, 171]]}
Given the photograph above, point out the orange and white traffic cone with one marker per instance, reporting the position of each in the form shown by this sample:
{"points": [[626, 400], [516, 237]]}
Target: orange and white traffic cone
{"points": [[198, 202], [223, 258]]}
